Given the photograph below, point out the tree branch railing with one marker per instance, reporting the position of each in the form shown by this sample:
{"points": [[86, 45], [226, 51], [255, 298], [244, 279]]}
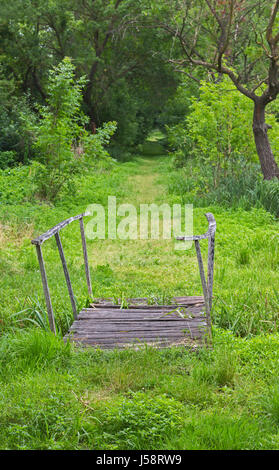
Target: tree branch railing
{"points": [[207, 285], [54, 231]]}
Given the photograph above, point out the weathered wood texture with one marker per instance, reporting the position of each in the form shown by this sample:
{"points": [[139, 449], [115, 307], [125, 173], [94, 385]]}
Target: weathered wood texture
{"points": [[108, 326], [66, 273], [54, 231], [46, 289], [207, 286], [85, 256], [45, 236]]}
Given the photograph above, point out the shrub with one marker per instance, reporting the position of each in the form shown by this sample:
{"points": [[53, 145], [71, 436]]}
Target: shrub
{"points": [[140, 422], [217, 129], [14, 141], [6, 159], [16, 184], [64, 147], [242, 186]]}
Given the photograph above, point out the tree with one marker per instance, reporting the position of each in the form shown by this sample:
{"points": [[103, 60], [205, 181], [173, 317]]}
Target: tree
{"points": [[64, 148], [126, 80], [237, 38]]}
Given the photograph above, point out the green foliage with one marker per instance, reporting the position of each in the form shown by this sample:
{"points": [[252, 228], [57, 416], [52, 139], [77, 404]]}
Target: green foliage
{"points": [[82, 399], [178, 105], [7, 159], [15, 144], [126, 81], [56, 396], [32, 350], [218, 128], [241, 186], [17, 184], [64, 147], [140, 422]]}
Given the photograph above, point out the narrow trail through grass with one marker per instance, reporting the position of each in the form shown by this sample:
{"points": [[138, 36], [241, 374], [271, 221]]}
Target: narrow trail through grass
{"points": [[142, 267], [56, 396], [144, 183]]}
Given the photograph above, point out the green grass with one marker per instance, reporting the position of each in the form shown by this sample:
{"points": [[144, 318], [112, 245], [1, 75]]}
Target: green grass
{"points": [[54, 396]]}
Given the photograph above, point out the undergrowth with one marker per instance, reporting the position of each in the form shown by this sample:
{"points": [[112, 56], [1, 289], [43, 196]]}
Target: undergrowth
{"points": [[56, 396]]}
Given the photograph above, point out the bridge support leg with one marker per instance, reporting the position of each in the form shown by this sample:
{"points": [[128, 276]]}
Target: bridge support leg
{"points": [[85, 255], [67, 276], [205, 289], [46, 289]]}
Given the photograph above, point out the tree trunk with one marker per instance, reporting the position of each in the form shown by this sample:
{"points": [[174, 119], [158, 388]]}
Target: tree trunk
{"points": [[260, 128]]}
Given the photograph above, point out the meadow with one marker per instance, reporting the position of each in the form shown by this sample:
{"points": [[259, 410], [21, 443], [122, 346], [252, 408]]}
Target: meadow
{"points": [[224, 397]]}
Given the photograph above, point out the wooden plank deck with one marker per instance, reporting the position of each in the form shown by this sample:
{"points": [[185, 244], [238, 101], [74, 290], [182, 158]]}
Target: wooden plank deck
{"points": [[108, 326]]}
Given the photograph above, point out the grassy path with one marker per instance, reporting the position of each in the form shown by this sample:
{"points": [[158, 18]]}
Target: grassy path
{"points": [[53, 396], [140, 267], [144, 182]]}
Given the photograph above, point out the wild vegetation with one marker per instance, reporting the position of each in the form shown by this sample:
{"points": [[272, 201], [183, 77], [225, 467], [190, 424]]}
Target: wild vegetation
{"points": [[106, 98]]}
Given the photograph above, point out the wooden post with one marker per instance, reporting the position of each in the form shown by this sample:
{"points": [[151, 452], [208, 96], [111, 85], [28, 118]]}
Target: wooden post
{"points": [[46, 289], [204, 288], [66, 272], [85, 255], [210, 268]]}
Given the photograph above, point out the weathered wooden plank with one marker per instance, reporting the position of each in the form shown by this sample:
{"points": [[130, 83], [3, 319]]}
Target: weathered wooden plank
{"points": [[142, 310], [127, 339], [125, 333], [158, 344], [150, 322], [139, 333], [207, 286], [210, 270], [138, 302], [211, 229], [204, 285], [66, 273], [138, 323], [45, 236], [145, 307], [141, 316], [85, 256], [46, 289], [115, 341], [135, 324], [118, 314]]}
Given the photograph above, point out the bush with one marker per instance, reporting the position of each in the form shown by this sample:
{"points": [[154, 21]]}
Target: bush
{"points": [[140, 422], [16, 184], [33, 349], [242, 186], [217, 129], [7, 159], [64, 147]]}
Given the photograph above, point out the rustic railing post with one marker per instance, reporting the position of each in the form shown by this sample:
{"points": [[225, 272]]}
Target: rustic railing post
{"points": [[210, 268], [210, 256], [38, 242], [85, 255], [204, 287], [46, 289], [66, 273]]}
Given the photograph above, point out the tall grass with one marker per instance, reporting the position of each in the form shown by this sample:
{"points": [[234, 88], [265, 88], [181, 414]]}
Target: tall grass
{"points": [[56, 396], [241, 186]]}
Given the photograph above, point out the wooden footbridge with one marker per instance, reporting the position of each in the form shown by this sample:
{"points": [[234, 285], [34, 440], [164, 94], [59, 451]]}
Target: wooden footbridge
{"points": [[108, 325]]}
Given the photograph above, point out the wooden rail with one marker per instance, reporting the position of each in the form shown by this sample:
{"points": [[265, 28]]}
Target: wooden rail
{"points": [[54, 231], [207, 286]]}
